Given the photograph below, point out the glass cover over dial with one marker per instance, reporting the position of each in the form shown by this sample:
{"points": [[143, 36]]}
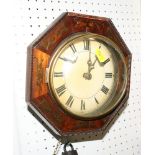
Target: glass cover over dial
{"points": [[87, 75]]}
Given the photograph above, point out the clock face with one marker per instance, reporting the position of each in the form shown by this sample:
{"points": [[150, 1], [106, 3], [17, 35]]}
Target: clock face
{"points": [[84, 77]]}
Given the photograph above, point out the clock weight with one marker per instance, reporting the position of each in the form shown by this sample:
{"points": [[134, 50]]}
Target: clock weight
{"points": [[71, 152]]}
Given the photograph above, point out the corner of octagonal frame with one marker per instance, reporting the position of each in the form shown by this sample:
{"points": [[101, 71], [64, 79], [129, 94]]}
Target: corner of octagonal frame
{"points": [[40, 103]]}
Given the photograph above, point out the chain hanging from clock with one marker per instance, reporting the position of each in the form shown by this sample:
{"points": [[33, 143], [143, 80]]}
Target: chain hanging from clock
{"points": [[78, 78]]}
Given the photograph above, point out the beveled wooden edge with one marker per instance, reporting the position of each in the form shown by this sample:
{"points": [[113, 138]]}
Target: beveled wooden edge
{"points": [[29, 55], [49, 28], [87, 16]]}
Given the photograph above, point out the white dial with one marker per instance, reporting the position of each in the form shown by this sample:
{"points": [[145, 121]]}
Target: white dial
{"points": [[83, 76]]}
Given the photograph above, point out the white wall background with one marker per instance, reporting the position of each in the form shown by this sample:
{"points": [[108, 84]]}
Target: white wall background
{"points": [[30, 18]]}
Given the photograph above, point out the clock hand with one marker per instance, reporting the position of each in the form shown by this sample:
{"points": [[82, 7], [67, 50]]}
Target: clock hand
{"points": [[94, 61], [92, 66], [89, 62], [69, 60], [88, 75]]}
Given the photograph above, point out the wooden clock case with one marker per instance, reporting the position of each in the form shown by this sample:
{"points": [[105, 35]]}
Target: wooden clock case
{"points": [[42, 105]]}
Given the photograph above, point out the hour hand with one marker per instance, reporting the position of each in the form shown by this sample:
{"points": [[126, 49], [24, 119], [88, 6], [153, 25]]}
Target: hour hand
{"points": [[69, 60]]}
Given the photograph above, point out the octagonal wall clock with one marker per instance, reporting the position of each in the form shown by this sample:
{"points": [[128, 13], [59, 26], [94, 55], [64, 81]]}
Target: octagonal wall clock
{"points": [[78, 77]]}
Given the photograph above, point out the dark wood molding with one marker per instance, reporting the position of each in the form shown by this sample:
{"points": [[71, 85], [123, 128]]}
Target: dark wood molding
{"points": [[39, 54]]}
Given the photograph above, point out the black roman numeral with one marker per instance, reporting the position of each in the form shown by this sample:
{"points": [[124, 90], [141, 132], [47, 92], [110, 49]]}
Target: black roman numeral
{"points": [[96, 100], [58, 74], [70, 101], [83, 105], [108, 75], [104, 89], [73, 48], [60, 90], [106, 61], [86, 44]]}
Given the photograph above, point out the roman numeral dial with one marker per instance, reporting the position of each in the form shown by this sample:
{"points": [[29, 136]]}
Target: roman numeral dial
{"points": [[83, 76], [106, 61], [73, 48], [108, 75], [61, 90], [70, 101], [96, 100], [104, 89], [86, 44], [58, 74], [83, 106]]}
